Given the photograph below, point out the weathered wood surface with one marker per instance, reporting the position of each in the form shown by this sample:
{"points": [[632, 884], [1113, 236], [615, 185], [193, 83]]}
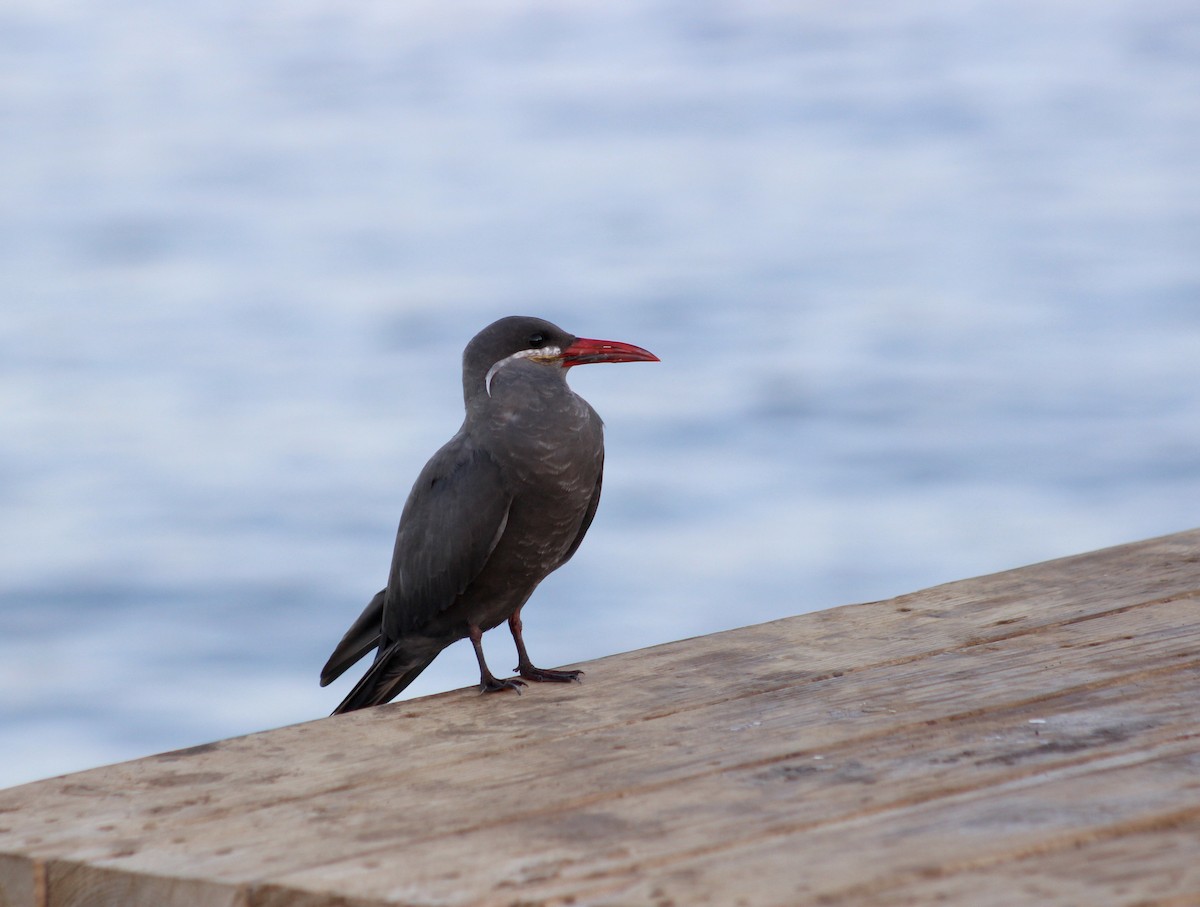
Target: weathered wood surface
{"points": [[1025, 738]]}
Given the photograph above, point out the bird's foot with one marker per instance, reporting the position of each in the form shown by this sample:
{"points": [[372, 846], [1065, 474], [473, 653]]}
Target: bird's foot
{"points": [[545, 675], [492, 684]]}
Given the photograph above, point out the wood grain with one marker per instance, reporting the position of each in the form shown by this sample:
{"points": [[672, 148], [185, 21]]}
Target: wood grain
{"points": [[1027, 737]]}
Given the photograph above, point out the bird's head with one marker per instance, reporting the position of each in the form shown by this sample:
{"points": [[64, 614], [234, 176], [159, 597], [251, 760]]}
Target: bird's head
{"points": [[521, 337]]}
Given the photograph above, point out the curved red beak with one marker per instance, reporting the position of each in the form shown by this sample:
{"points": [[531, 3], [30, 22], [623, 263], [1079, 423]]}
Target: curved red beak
{"points": [[584, 351]]}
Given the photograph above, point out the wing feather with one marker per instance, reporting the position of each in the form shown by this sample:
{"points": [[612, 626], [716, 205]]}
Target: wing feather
{"points": [[590, 515], [361, 638], [453, 520]]}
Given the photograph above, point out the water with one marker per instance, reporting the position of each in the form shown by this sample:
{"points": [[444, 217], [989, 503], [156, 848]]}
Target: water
{"points": [[924, 281]]}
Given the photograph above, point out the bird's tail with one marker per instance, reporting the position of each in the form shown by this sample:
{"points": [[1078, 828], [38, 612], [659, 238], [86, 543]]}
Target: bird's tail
{"points": [[361, 638], [393, 670]]}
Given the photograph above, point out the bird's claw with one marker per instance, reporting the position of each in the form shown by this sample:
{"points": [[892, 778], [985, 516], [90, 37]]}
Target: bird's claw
{"points": [[545, 675], [495, 685]]}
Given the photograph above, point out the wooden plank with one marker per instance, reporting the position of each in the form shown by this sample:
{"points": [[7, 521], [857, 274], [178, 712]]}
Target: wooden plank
{"points": [[844, 753], [72, 884], [866, 702], [698, 820], [864, 858], [17, 885], [1157, 865]]}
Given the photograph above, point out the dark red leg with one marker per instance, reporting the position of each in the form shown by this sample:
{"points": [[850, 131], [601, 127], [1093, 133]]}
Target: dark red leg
{"points": [[488, 682], [525, 667]]}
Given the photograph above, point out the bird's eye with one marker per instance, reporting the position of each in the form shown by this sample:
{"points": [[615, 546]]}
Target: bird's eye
{"points": [[537, 339]]}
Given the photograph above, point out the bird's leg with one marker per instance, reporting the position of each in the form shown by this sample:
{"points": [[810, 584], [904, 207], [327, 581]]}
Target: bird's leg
{"points": [[488, 682], [525, 667]]}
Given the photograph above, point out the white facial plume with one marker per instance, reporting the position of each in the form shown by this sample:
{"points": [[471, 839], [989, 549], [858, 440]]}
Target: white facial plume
{"points": [[544, 352]]}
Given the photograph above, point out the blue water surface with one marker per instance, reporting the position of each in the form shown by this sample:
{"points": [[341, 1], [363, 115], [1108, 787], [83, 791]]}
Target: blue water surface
{"points": [[924, 279]]}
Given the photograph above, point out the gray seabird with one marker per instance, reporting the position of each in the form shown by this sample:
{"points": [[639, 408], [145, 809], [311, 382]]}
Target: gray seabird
{"points": [[503, 504]]}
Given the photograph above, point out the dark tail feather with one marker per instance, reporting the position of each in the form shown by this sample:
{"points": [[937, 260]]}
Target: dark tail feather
{"points": [[361, 638], [392, 671]]}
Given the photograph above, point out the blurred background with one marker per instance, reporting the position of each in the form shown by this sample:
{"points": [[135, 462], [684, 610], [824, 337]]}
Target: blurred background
{"points": [[924, 279]]}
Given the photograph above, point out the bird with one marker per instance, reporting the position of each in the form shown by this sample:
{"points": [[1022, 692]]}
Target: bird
{"points": [[504, 503]]}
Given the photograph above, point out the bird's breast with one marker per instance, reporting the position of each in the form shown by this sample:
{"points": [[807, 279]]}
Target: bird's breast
{"points": [[559, 461], [552, 456]]}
